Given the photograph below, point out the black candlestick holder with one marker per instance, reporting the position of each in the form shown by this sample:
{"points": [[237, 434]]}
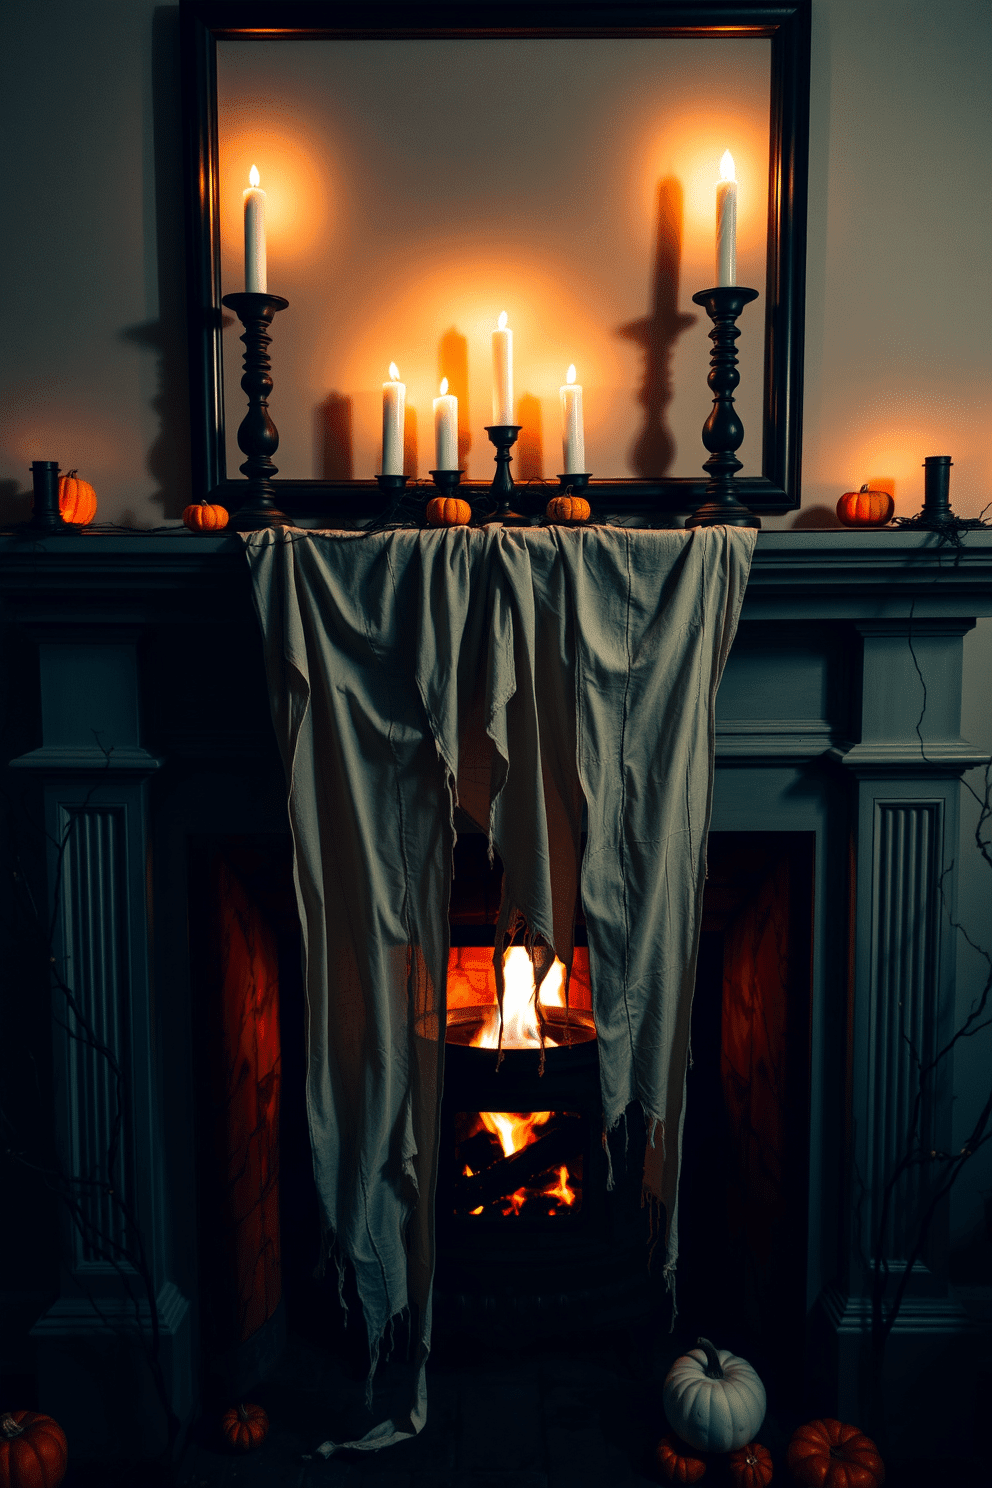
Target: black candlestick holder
{"points": [[504, 437], [258, 436], [723, 432], [574, 484], [46, 516], [447, 481]]}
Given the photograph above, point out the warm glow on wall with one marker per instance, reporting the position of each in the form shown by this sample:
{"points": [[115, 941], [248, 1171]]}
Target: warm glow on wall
{"points": [[397, 241], [298, 183]]}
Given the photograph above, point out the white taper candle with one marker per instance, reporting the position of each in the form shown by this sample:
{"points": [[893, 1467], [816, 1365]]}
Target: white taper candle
{"points": [[573, 438], [256, 278], [502, 373], [393, 415], [726, 222], [445, 430]]}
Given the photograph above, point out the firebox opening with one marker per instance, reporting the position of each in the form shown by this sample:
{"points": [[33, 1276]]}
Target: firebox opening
{"points": [[518, 1164]]}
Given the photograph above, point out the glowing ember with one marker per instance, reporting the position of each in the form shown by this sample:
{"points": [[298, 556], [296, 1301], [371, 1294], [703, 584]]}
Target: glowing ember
{"points": [[520, 1028], [561, 1190]]}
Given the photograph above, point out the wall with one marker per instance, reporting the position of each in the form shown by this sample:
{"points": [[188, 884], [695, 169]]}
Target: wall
{"points": [[899, 225]]}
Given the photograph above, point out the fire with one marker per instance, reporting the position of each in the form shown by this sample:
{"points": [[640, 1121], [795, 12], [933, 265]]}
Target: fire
{"points": [[560, 1190], [514, 1130], [520, 1028]]}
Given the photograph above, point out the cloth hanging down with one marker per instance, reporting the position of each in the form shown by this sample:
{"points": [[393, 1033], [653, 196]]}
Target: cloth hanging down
{"points": [[522, 673]]}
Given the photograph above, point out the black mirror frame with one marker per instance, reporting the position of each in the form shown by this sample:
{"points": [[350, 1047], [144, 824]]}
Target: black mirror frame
{"points": [[787, 24]]}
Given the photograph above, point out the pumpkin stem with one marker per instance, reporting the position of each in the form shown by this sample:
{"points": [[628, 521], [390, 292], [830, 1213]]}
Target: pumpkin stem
{"points": [[72, 475], [9, 1426], [242, 1413], [713, 1369]]}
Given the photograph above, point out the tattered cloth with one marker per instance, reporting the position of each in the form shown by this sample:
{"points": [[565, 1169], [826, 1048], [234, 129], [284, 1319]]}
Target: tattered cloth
{"points": [[524, 674]]}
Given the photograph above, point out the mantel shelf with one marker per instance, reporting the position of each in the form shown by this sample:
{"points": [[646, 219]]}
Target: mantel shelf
{"points": [[815, 575]]}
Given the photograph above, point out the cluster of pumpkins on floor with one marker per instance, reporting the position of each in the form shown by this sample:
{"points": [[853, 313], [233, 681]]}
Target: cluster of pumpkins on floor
{"points": [[714, 1401], [715, 1404], [77, 504]]}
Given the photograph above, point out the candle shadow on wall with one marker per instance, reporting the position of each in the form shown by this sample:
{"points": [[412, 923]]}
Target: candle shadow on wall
{"points": [[452, 363], [334, 438], [529, 453], [657, 333], [411, 467], [168, 459]]}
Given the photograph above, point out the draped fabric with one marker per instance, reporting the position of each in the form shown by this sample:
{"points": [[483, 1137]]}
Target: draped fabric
{"points": [[527, 675]]}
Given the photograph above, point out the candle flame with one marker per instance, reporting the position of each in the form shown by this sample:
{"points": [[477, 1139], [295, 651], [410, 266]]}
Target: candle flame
{"points": [[253, 175], [394, 372], [727, 167], [502, 320], [444, 386], [570, 374]]}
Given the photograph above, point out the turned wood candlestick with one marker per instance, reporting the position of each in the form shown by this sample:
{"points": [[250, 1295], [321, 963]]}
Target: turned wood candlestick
{"points": [[258, 436], [723, 432]]}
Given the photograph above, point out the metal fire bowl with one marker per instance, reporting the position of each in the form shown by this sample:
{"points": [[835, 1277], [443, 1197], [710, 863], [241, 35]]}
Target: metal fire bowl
{"points": [[567, 1026]]}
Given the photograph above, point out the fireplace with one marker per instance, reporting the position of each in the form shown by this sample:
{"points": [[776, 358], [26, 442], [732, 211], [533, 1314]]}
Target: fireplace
{"points": [[533, 1240], [150, 738]]}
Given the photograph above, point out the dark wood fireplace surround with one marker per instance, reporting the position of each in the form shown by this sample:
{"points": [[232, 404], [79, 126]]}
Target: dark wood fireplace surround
{"points": [[135, 669]]}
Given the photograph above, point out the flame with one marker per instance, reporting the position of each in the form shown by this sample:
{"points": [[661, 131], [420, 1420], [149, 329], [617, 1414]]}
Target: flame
{"points": [[394, 372], [520, 1026], [727, 167], [444, 386], [570, 374], [561, 1190], [514, 1130], [253, 175], [501, 323]]}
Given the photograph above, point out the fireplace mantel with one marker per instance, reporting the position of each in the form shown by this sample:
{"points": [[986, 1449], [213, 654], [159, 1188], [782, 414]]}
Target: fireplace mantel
{"points": [[145, 709]]}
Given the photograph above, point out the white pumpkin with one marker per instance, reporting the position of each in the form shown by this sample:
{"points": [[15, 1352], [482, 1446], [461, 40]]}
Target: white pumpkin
{"points": [[714, 1400]]}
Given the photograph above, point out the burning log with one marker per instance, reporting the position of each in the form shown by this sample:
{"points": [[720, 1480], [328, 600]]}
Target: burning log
{"points": [[508, 1174]]}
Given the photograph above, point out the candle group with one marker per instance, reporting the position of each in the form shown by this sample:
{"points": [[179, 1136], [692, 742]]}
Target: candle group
{"points": [[446, 404]]}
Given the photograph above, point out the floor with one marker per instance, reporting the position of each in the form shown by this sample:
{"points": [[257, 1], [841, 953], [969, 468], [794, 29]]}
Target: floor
{"points": [[555, 1418]]}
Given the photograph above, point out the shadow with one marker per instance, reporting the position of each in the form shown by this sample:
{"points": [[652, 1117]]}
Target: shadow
{"points": [[452, 363], [15, 503], [333, 438], [814, 517], [411, 466], [169, 460], [654, 449], [529, 453]]}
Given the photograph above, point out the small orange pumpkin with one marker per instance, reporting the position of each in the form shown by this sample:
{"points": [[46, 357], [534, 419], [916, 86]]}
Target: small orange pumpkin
{"points": [[448, 511], [77, 500], [828, 1454], [245, 1427], [750, 1466], [202, 517], [865, 508], [33, 1450], [678, 1462], [568, 509]]}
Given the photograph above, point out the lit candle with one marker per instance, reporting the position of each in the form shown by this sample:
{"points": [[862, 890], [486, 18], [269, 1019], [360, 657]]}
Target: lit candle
{"points": [[573, 438], [502, 373], [393, 413], [256, 281], [446, 430], [726, 222]]}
